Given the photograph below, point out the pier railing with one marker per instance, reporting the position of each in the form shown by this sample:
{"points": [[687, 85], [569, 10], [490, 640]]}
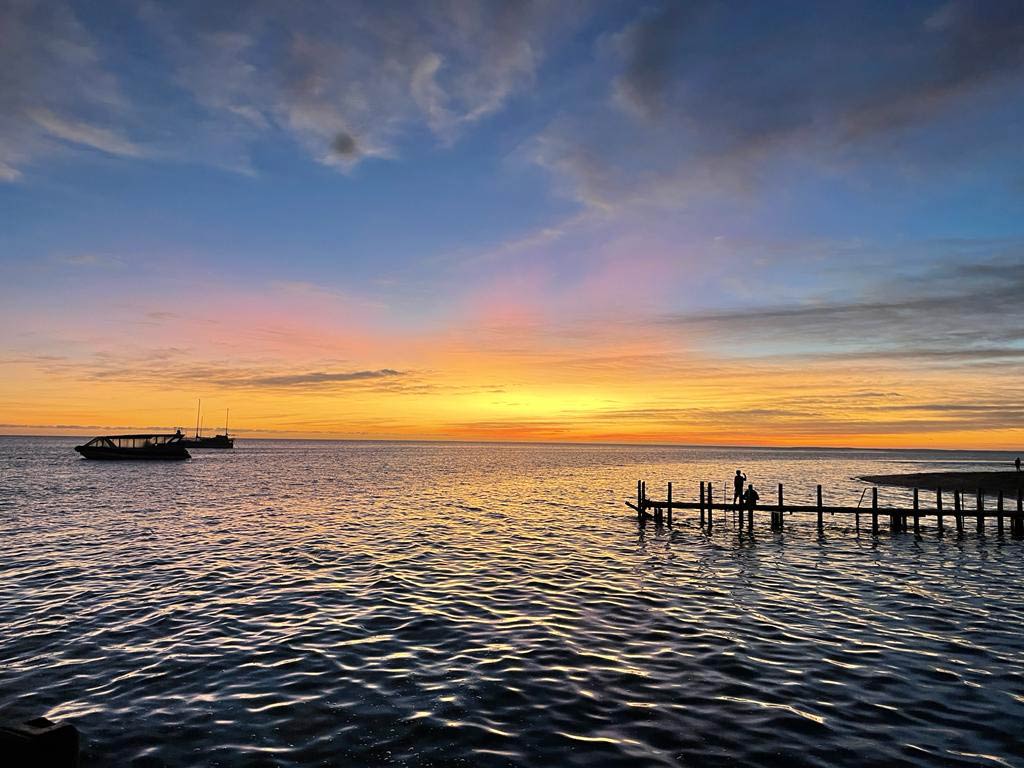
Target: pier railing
{"points": [[898, 519]]}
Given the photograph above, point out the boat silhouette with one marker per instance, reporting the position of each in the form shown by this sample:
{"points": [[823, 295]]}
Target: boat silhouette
{"points": [[216, 441], [147, 447]]}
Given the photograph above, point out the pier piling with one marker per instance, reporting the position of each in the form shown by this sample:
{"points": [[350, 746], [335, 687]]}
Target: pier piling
{"points": [[820, 522], [874, 511], [701, 503], [778, 513], [917, 517]]}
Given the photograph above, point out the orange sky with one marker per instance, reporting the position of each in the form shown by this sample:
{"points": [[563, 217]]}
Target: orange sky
{"points": [[300, 361]]}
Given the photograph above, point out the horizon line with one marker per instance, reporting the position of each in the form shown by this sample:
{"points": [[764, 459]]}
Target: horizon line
{"points": [[592, 443]]}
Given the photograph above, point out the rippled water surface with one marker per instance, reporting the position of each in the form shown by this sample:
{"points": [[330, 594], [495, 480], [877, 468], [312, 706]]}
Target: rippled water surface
{"points": [[303, 603]]}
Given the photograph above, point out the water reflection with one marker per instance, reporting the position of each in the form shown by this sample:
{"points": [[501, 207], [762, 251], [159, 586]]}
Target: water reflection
{"points": [[304, 603]]}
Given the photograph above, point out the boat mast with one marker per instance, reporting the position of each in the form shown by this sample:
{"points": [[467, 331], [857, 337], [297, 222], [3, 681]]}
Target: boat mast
{"points": [[227, 413], [198, 409]]}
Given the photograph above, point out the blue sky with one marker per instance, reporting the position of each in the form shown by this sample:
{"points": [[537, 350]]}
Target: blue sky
{"points": [[738, 163]]}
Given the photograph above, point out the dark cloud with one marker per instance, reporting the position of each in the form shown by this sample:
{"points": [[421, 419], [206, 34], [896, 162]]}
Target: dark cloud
{"points": [[714, 93], [955, 313], [747, 72], [651, 50], [345, 145], [316, 377], [168, 366]]}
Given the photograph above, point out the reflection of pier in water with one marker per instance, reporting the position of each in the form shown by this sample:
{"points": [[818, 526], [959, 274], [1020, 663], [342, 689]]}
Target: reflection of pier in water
{"points": [[898, 518]]}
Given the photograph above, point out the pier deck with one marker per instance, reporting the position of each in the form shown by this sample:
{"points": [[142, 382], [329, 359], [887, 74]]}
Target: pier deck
{"points": [[897, 519]]}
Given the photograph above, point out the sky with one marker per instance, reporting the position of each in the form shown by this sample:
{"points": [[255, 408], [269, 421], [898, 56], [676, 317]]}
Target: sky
{"points": [[748, 223]]}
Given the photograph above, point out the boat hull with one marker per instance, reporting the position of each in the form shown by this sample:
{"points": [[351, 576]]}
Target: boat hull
{"points": [[220, 441], [155, 453]]}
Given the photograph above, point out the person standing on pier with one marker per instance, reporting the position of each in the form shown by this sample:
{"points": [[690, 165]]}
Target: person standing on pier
{"points": [[1017, 463], [737, 488], [750, 497]]}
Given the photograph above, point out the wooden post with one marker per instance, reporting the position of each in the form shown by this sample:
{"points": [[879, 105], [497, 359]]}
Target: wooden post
{"points": [[711, 505], [639, 500], [670, 503], [701, 503], [981, 509], [1020, 508], [740, 507], [938, 507], [999, 511], [778, 515], [917, 518], [874, 511], [956, 512], [750, 518], [819, 509]]}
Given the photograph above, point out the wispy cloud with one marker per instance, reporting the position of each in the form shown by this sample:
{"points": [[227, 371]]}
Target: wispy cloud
{"points": [[54, 86], [347, 82], [954, 313], [315, 377], [78, 132]]}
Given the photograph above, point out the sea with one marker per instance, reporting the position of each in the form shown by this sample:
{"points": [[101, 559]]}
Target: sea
{"points": [[313, 603]]}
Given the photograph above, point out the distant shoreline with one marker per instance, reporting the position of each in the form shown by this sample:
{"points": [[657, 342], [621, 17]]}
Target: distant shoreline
{"points": [[990, 482]]}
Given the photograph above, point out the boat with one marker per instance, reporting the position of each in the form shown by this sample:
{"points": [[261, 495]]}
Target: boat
{"points": [[135, 447], [216, 441]]}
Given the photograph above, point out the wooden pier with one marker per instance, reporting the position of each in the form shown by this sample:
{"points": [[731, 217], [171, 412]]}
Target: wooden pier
{"points": [[896, 520]]}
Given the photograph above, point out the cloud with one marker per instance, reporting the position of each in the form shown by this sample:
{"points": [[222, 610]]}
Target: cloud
{"points": [[54, 85], [8, 173], [82, 260], [346, 82], [345, 145], [953, 313], [349, 82], [709, 97], [91, 136], [316, 377], [650, 48]]}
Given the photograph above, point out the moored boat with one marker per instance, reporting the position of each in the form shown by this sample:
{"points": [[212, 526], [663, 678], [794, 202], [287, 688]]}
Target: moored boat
{"points": [[135, 447], [217, 441], [200, 441]]}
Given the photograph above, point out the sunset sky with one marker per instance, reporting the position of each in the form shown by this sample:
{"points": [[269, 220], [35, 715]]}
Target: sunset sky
{"points": [[676, 222]]}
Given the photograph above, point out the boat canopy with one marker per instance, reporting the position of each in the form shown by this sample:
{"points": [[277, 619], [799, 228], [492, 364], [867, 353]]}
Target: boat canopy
{"points": [[132, 441]]}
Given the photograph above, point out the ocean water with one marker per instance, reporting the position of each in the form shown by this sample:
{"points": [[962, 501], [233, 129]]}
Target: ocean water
{"points": [[403, 604]]}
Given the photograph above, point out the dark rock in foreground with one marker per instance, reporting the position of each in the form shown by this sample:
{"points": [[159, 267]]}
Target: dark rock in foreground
{"points": [[39, 743], [990, 482]]}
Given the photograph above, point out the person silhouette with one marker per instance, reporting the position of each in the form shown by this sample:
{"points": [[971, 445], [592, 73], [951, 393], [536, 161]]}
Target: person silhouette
{"points": [[1017, 463], [750, 497], [737, 487]]}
